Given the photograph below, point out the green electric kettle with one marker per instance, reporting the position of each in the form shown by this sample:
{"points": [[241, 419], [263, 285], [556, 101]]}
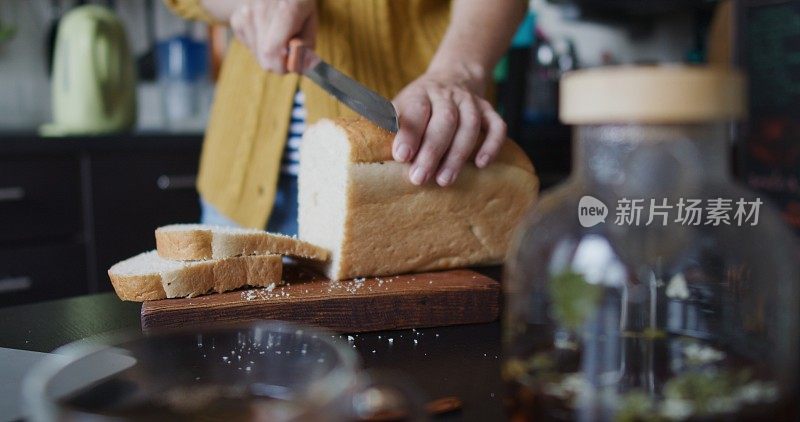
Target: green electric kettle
{"points": [[93, 80]]}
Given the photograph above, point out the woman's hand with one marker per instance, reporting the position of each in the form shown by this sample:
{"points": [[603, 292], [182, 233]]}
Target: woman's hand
{"points": [[266, 26], [443, 121]]}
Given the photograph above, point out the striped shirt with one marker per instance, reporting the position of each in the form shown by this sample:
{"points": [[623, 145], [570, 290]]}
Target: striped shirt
{"points": [[290, 162]]}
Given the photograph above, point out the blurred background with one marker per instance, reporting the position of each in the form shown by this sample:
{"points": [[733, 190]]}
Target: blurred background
{"points": [[557, 36], [27, 53], [82, 190]]}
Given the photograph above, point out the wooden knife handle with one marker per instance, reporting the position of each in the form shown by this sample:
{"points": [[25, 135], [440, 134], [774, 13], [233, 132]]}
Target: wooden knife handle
{"points": [[296, 57]]}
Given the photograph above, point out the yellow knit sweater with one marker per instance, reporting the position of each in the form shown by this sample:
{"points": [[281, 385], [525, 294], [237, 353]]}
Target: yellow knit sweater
{"points": [[384, 44]]}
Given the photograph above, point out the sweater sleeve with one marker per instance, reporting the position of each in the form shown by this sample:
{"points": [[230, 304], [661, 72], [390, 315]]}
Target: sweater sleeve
{"points": [[190, 9]]}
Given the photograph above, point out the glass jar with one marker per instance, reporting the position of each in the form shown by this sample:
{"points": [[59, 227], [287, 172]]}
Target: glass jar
{"points": [[650, 286], [273, 371]]}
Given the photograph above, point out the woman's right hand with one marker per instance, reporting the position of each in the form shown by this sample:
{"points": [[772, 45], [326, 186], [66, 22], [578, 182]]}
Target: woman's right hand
{"points": [[266, 26]]}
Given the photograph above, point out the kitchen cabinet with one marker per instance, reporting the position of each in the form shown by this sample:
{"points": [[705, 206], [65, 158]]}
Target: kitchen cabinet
{"points": [[32, 205], [42, 271], [132, 195], [71, 207]]}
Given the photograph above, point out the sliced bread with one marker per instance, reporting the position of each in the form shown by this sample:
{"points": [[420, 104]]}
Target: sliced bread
{"points": [[149, 277], [357, 202], [197, 241]]}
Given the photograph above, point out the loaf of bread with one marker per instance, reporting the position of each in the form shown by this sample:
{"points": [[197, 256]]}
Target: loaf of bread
{"points": [[197, 241], [357, 202], [147, 276]]}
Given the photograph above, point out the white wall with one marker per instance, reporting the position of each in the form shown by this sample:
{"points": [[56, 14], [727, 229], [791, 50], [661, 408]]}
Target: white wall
{"points": [[24, 86]]}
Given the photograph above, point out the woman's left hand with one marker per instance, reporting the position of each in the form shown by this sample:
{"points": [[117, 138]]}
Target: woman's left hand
{"points": [[443, 121]]}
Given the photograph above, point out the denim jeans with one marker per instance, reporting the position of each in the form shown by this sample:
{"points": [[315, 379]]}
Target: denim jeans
{"points": [[283, 218]]}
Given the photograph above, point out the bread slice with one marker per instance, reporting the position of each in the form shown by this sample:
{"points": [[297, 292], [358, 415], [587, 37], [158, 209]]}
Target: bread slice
{"points": [[149, 277], [356, 201], [196, 241]]}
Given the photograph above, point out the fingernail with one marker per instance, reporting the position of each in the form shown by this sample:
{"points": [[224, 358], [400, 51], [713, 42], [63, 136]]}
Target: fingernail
{"points": [[403, 152], [418, 176], [482, 160], [445, 177]]}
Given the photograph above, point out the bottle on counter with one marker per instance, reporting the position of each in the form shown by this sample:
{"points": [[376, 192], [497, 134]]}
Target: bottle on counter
{"points": [[184, 81], [649, 286], [541, 93]]}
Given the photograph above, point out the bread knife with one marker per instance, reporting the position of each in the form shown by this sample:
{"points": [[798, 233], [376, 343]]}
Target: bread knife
{"points": [[358, 97]]}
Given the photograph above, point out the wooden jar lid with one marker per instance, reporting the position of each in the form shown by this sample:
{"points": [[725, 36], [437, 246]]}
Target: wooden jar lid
{"points": [[651, 95]]}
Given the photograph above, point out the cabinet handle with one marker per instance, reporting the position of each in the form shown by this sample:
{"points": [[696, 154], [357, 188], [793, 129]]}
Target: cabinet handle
{"points": [[176, 182], [12, 194], [15, 284]]}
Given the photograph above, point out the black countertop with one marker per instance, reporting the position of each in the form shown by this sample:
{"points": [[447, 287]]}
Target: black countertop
{"points": [[462, 361], [28, 143]]}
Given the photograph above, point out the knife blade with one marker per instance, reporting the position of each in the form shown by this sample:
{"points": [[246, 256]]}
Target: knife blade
{"points": [[353, 94]]}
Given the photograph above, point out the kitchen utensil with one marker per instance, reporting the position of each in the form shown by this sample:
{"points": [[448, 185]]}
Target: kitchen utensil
{"points": [[52, 31], [371, 304], [93, 83], [358, 97], [271, 370]]}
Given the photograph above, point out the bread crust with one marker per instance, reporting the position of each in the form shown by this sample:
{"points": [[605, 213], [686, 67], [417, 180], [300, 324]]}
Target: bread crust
{"points": [[137, 288], [372, 144], [191, 279], [191, 244], [394, 227], [390, 226], [198, 242]]}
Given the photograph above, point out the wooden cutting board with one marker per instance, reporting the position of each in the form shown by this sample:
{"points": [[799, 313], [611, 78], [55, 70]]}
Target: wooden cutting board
{"points": [[371, 304]]}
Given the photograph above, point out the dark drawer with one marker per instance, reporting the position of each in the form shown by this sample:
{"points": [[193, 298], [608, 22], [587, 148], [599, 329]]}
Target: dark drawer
{"points": [[135, 194], [37, 273], [39, 197]]}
